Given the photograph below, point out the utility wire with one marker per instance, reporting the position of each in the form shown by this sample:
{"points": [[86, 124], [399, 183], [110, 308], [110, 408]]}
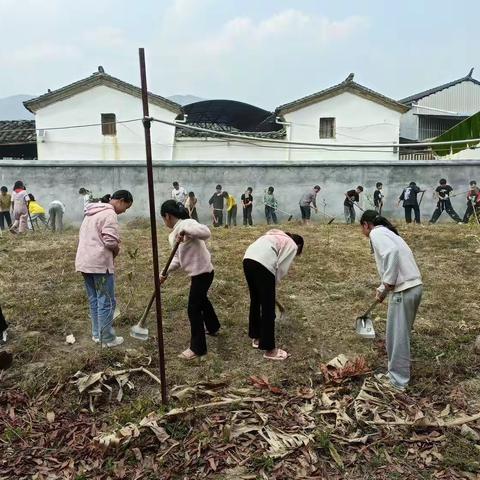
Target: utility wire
{"points": [[252, 138], [310, 144]]}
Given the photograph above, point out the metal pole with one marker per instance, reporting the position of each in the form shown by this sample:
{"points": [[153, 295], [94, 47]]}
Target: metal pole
{"points": [[153, 223]]}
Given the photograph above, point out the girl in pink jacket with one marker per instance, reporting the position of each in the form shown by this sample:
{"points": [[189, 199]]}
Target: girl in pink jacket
{"points": [[98, 245], [20, 201], [194, 258], [265, 263]]}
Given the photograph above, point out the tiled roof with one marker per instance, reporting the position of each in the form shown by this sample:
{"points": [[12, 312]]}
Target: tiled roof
{"points": [[431, 91], [348, 85], [188, 133], [97, 79], [17, 132]]}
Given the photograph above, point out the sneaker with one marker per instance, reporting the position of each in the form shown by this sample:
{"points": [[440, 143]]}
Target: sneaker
{"points": [[96, 339], [113, 343], [386, 381]]}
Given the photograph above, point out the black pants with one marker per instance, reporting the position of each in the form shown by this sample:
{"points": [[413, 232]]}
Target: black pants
{"points": [[3, 323], [194, 214], [468, 212], [5, 217], [201, 313], [305, 212], [261, 320], [218, 218], [408, 213], [247, 215], [447, 206], [232, 216], [270, 215]]}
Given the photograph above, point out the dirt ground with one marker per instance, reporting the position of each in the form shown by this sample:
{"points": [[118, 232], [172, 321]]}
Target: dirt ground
{"points": [[327, 287]]}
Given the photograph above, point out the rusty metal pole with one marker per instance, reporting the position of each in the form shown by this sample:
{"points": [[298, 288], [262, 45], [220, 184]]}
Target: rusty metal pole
{"points": [[153, 223]]}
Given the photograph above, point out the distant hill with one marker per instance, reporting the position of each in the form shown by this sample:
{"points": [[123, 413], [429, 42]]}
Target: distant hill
{"points": [[11, 108], [185, 99]]}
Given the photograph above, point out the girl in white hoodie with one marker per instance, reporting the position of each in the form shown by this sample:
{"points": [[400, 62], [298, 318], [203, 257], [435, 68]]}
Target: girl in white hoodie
{"points": [[265, 263], [194, 258], [401, 279]]}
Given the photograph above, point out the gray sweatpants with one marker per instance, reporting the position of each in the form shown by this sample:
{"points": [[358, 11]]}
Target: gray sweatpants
{"points": [[402, 309], [349, 212]]}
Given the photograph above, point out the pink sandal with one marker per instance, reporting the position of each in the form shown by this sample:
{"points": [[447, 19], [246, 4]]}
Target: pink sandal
{"points": [[279, 355], [188, 354]]}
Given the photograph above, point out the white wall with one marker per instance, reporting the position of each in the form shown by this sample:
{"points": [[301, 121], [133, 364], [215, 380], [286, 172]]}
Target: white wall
{"points": [[214, 149], [463, 98], [88, 143], [358, 120], [409, 124]]}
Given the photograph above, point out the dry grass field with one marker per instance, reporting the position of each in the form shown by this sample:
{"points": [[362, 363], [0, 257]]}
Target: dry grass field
{"points": [[290, 420]]}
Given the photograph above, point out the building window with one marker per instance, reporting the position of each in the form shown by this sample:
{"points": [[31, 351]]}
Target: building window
{"points": [[109, 127], [327, 127]]}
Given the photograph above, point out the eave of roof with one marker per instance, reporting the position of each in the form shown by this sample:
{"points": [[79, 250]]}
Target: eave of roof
{"points": [[97, 79], [431, 91], [347, 85]]}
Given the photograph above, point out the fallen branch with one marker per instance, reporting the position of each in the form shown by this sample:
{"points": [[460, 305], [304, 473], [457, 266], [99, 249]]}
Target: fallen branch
{"points": [[438, 424], [181, 411]]}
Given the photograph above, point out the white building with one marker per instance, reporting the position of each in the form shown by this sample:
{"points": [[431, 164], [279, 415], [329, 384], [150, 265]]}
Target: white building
{"points": [[347, 113], [438, 109], [108, 101]]}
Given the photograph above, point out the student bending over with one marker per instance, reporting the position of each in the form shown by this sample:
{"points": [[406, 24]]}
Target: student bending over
{"points": [[193, 257], [265, 263], [401, 280]]}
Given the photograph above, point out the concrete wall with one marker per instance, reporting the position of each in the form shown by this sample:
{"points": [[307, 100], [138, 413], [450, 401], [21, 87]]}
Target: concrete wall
{"points": [[61, 180]]}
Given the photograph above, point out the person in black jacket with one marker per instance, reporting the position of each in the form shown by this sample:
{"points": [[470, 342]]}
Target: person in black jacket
{"points": [[378, 197], [217, 203], [443, 192], [410, 202]]}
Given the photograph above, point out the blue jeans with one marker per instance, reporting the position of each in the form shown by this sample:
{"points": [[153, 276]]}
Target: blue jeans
{"points": [[101, 297]]}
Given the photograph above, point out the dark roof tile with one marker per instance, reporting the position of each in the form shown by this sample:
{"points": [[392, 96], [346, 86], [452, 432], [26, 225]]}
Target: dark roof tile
{"points": [[17, 132]]}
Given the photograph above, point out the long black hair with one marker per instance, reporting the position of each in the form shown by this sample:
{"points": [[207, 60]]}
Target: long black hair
{"points": [[124, 195], [175, 209], [298, 239], [371, 216]]}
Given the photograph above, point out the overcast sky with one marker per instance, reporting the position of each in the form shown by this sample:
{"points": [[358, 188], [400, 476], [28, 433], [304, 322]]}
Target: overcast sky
{"points": [[265, 52]]}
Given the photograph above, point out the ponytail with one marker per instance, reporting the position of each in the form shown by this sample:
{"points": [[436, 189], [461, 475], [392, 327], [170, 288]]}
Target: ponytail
{"points": [[371, 216], [298, 239], [124, 195], [175, 209]]}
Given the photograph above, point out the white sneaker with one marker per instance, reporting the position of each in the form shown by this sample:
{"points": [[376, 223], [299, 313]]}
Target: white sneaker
{"points": [[96, 339], [114, 343]]}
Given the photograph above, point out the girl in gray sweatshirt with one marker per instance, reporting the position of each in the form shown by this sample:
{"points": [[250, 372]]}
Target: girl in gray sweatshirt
{"points": [[401, 280]]}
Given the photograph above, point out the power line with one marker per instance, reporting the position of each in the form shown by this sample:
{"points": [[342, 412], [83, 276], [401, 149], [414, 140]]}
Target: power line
{"points": [[310, 144]]}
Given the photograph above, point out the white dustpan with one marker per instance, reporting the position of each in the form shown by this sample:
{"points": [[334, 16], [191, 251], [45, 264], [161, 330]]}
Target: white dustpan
{"points": [[364, 323], [364, 327]]}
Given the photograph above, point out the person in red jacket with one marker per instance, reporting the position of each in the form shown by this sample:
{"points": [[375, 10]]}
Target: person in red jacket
{"points": [[473, 201]]}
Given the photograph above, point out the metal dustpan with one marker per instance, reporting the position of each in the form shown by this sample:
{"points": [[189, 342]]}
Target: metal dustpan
{"points": [[364, 324], [364, 327]]}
